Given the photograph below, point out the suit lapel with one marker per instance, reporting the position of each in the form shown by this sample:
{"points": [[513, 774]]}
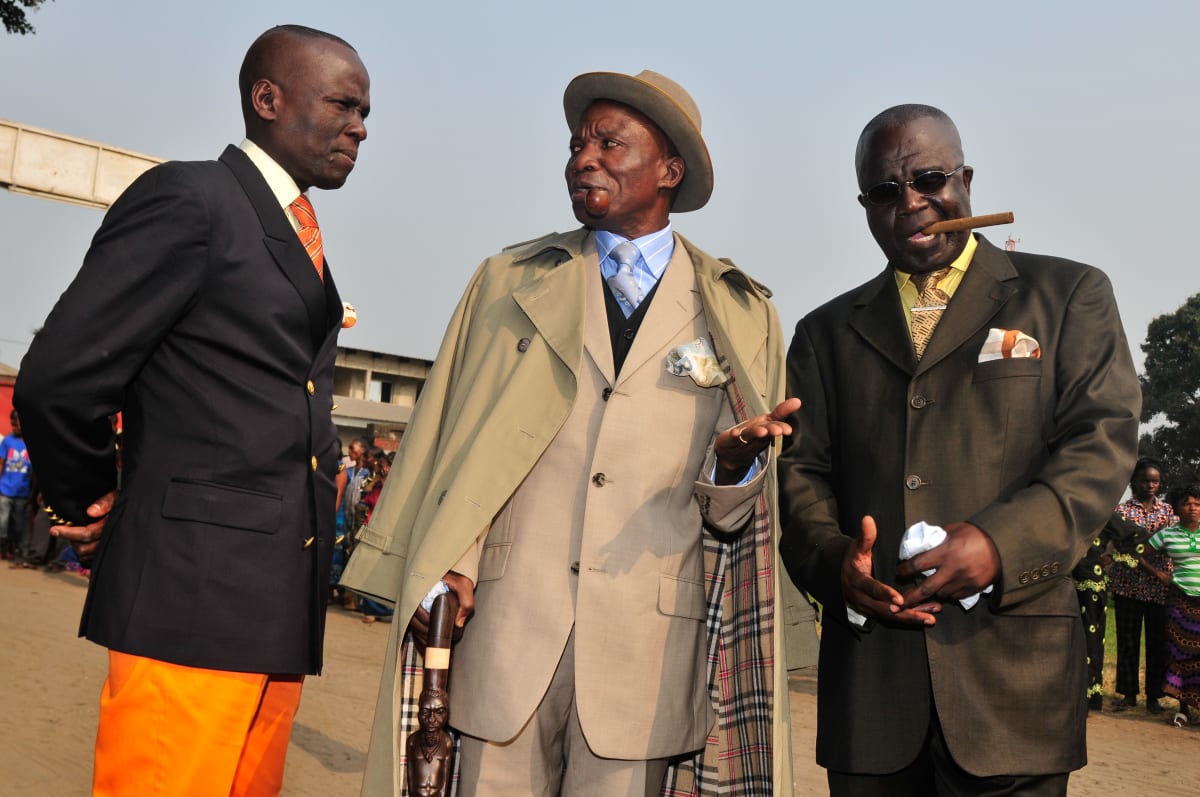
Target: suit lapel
{"points": [[676, 302], [597, 338], [554, 303], [739, 338], [879, 319], [282, 242], [333, 305], [983, 291]]}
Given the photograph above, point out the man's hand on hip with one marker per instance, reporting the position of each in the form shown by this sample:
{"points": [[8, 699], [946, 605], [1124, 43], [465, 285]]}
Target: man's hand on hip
{"points": [[85, 539]]}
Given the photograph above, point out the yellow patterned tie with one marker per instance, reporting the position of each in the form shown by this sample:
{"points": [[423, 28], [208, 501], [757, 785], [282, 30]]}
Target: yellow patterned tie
{"points": [[310, 233], [931, 303]]}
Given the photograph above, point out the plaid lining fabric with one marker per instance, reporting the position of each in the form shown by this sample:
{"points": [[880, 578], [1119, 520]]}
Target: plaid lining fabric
{"points": [[737, 758]]}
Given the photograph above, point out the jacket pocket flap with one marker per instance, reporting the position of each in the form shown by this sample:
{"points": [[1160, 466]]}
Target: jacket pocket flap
{"points": [[222, 505], [492, 560], [1006, 369], [680, 598]]}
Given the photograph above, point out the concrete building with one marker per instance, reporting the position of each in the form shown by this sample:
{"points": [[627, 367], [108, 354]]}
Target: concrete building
{"points": [[374, 394]]}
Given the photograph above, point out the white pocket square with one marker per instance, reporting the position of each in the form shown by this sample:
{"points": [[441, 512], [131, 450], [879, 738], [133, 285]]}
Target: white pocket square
{"points": [[1005, 344], [697, 360]]}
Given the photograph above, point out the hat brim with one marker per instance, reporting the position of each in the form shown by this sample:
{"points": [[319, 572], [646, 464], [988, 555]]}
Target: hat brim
{"points": [[661, 109]]}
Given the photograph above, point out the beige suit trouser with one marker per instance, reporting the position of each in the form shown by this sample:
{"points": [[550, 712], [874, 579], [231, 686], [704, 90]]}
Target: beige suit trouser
{"points": [[550, 756]]}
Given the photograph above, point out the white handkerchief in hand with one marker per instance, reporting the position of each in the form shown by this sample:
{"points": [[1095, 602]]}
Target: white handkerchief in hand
{"points": [[1008, 344], [697, 360], [922, 537]]}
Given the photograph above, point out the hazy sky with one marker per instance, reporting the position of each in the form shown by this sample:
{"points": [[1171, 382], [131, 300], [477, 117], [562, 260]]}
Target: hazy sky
{"points": [[1081, 117]]}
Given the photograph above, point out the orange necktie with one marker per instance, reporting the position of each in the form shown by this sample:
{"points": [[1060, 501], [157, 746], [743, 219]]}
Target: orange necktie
{"points": [[310, 233]]}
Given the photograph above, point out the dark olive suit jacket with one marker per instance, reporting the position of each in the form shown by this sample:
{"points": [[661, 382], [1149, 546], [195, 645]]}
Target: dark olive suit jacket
{"points": [[1033, 451], [199, 316]]}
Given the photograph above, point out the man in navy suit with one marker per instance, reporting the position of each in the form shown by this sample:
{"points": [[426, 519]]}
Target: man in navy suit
{"points": [[206, 314]]}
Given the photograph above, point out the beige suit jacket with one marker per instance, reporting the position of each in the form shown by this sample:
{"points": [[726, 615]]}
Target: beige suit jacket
{"points": [[603, 535]]}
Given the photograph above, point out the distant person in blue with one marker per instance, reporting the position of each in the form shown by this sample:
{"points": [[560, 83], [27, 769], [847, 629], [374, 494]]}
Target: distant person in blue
{"points": [[15, 484]]}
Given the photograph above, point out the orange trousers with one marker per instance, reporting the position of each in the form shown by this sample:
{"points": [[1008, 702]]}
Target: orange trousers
{"points": [[168, 730]]}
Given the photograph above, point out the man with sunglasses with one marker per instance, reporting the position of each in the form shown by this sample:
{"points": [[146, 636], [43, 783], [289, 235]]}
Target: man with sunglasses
{"points": [[987, 393]]}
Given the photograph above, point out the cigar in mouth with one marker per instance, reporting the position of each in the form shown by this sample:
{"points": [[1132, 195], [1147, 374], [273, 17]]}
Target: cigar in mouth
{"points": [[969, 223]]}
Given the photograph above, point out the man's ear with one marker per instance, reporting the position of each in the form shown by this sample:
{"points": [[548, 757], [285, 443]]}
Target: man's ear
{"points": [[264, 97], [674, 173]]}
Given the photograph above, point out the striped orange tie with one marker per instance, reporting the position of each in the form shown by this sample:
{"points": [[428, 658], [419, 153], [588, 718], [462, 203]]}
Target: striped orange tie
{"points": [[310, 233]]}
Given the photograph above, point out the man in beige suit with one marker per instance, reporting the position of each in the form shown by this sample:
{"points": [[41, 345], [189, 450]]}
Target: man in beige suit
{"points": [[591, 469]]}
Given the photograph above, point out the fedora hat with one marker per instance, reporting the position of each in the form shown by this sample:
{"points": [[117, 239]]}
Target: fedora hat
{"points": [[662, 101]]}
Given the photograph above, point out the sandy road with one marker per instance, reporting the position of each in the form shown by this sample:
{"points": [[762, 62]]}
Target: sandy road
{"points": [[49, 682]]}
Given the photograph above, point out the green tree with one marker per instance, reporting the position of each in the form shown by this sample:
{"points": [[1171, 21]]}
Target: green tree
{"points": [[12, 13], [1171, 392]]}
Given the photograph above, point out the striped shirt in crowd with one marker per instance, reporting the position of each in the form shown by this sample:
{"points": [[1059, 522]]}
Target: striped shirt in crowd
{"points": [[1183, 547]]}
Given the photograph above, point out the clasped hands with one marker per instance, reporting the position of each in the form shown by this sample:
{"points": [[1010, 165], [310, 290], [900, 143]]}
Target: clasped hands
{"points": [[737, 447], [966, 563]]}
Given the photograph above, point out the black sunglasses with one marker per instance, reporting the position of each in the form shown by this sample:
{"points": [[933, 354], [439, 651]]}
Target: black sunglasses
{"points": [[925, 183]]}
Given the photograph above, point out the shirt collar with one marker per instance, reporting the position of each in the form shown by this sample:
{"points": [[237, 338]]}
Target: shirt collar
{"points": [[656, 248], [279, 181], [960, 263]]}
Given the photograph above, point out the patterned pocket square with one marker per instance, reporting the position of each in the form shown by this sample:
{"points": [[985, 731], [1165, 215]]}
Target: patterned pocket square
{"points": [[1008, 344], [697, 360]]}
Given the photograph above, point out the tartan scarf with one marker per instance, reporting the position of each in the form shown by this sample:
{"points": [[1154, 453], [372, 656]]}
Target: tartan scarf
{"points": [[740, 619], [741, 625]]}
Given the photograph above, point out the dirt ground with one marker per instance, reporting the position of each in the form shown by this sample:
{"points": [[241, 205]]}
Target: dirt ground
{"points": [[50, 682]]}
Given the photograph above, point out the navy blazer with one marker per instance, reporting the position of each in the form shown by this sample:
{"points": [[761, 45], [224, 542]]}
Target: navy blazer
{"points": [[199, 316]]}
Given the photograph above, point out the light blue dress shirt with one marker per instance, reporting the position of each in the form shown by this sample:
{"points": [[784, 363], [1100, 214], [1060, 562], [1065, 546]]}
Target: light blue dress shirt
{"points": [[655, 249]]}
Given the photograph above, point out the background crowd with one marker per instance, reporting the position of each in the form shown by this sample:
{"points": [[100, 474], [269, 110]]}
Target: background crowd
{"points": [[363, 473], [1148, 557]]}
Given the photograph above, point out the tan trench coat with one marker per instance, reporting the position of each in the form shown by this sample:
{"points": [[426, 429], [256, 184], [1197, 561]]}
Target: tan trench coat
{"points": [[487, 412]]}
